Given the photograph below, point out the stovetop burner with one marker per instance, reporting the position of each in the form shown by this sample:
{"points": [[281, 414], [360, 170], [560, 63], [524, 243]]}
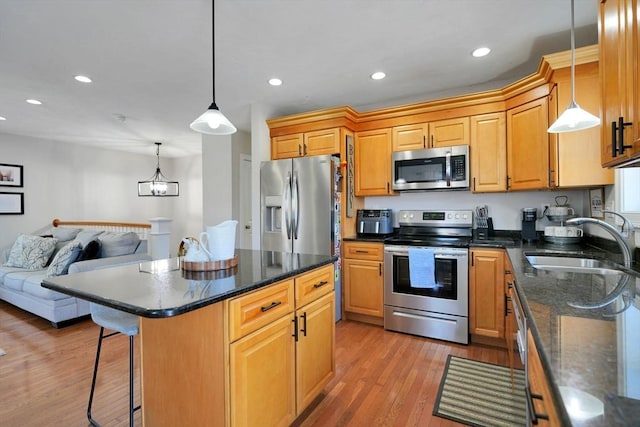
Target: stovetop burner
{"points": [[433, 228]]}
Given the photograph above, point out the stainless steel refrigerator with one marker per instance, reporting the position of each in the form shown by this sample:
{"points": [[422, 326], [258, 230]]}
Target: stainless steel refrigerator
{"points": [[300, 209]]}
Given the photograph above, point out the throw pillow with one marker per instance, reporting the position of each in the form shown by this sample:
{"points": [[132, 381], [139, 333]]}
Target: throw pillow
{"points": [[90, 251], [65, 233], [64, 258], [31, 252], [116, 243]]}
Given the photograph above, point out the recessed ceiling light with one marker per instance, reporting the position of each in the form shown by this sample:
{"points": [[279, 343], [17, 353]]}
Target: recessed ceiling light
{"points": [[275, 82], [480, 52], [378, 75], [3, 118], [83, 79], [34, 101]]}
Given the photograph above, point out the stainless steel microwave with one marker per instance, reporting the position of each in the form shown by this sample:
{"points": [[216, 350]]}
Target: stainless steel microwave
{"points": [[443, 168]]}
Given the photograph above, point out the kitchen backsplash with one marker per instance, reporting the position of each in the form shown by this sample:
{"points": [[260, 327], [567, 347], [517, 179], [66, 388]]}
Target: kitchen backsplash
{"points": [[504, 208]]}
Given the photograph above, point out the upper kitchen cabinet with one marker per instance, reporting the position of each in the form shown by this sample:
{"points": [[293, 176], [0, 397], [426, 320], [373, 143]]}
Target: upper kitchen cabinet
{"points": [[445, 133], [315, 143], [620, 84], [528, 146], [373, 163], [488, 151], [575, 156], [441, 133]]}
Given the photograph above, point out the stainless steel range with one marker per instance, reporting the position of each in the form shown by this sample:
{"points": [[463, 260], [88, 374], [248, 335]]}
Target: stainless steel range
{"points": [[440, 311]]}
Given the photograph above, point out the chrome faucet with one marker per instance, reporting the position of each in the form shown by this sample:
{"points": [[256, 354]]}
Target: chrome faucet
{"points": [[617, 235], [626, 234]]}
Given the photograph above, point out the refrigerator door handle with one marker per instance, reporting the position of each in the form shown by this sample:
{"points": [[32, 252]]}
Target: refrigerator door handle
{"points": [[286, 208], [295, 199]]}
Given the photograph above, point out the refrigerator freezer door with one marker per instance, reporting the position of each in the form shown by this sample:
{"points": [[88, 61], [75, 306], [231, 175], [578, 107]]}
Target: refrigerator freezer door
{"points": [[313, 216], [275, 205]]}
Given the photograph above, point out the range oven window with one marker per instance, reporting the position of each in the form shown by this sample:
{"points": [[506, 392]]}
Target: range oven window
{"points": [[446, 272]]}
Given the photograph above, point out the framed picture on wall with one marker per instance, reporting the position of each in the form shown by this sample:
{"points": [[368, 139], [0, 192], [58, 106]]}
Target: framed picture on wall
{"points": [[11, 203], [596, 203], [10, 175]]}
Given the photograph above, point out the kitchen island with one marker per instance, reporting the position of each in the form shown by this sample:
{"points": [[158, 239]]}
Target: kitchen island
{"points": [[227, 347], [590, 356]]}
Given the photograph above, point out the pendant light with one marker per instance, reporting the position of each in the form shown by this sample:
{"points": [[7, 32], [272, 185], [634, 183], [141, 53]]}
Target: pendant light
{"points": [[158, 185], [574, 118], [212, 121]]}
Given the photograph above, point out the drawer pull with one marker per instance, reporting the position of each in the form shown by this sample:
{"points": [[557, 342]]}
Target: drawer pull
{"points": [[360, 251], [269, 307], [320, 284], [532, 412]]}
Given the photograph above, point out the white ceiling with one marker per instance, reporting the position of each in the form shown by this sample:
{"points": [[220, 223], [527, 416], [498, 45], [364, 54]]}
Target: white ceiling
{"points": [[150, 60]]}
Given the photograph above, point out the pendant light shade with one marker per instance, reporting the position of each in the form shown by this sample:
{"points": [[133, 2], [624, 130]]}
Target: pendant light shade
{"points": [[212, 121], [158, 185], [574, 118]]}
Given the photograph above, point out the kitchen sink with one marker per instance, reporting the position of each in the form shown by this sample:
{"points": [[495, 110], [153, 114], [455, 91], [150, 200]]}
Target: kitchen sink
{"points": [[572, 264]]}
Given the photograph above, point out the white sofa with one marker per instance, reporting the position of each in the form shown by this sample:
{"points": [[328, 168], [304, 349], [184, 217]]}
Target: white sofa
{"points": [[22, 286]]}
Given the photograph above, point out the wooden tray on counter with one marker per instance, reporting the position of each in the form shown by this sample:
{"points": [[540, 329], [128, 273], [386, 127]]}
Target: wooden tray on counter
{"points": [[223, 264]]}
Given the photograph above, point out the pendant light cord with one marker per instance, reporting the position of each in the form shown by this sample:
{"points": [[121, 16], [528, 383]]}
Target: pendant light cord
{"points": [[213, 51], [573, 59]]}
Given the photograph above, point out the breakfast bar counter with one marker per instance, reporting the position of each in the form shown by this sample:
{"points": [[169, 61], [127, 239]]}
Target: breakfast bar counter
{"points": [[220, 348]]}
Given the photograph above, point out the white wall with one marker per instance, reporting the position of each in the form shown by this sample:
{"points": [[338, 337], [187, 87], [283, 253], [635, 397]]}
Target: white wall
{"points": [[75, 182], [504, 208]]}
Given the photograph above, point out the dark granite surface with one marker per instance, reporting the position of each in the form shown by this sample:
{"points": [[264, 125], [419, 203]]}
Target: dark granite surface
{"points": [[593, 351], [162, 289]]}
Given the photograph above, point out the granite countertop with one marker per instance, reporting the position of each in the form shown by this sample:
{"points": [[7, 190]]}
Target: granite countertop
{"points": [[162, 289], [584, 350]]}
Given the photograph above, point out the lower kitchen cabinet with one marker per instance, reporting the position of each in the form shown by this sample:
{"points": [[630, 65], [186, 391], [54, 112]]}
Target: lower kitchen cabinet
{"points": [[486, 293], [278, 369], [363, 280], [543, 404]]}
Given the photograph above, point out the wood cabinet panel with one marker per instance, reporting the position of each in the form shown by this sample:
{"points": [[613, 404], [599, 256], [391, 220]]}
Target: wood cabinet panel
{"points": [[488, 151], [528, 146], [287, 146], [252, 311], [312, 285], [315, 350], [539, 385], [363, 287], [321, 142], [410, 137], [445, 133], [486, 292], [363, 250], [262, 376], [373, 163]]}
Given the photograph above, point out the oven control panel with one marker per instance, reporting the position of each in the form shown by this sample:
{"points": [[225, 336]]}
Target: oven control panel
{"points": [[442, 218]]}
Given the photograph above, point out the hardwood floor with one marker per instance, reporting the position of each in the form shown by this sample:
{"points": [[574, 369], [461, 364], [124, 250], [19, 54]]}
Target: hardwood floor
{"points": [[382, 378]]}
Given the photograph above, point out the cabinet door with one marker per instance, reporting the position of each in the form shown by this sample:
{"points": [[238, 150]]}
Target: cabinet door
{"points": [[315, 360], [373, 163], [488, 150], [321, 142], [313, 284], [445, 133], [363, 287], [539, 385], [575, 156], [363, 250], [410, 137], [262, 376], [486, 292], [286, 146], [619, 70], [528, 146]]}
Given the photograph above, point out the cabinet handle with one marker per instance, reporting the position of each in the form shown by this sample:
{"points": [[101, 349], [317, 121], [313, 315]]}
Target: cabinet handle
{"points": [[270, 306], [380, 269], [387, 186], [551, 182], [507, 272], [474, 183], [320, 284], [472, 259], [508, 182], [424, 141], [614, 140], [299, 150], [304, 324], [532, 411], [360, 251], [295, 328], [304, 149], [621, 125], [431, 141], [617, 136]]}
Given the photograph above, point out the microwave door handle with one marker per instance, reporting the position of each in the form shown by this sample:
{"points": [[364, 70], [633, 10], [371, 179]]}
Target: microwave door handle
{"points": [[447, 168]]}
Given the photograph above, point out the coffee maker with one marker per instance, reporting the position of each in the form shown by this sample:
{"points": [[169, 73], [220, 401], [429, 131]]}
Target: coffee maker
{"points": [[529, 216]]}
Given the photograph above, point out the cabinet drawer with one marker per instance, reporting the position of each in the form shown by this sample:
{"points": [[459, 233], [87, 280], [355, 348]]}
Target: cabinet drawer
{"points": [[252, 311], [312, 285], [363, 250]]}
